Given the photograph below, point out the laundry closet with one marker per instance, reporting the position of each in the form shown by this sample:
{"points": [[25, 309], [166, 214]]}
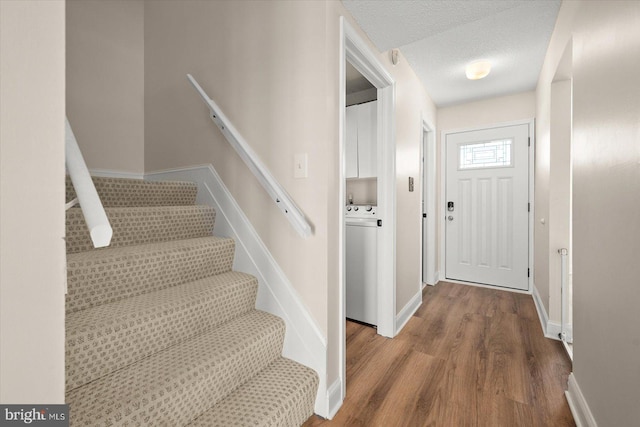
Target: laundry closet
{"points": [[361, 222]]}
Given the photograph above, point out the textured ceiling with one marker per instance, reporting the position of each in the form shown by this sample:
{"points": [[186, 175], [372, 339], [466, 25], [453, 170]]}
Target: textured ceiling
{"points": [[439, 38]]}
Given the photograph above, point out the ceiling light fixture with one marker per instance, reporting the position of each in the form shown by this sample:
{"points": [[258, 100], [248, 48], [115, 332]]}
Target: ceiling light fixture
{"points": [[478, 70]]}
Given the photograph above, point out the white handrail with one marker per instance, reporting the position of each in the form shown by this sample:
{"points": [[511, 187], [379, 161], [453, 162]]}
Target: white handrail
{"points": [[251, 159], [92, 209]]}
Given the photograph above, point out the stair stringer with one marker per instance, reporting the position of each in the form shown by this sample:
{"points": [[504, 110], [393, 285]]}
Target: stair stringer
{"points": [[304, 342]]}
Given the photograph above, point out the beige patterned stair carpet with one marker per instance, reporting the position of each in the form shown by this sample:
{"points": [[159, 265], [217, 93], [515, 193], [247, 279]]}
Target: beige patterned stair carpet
{"points": [[161, 332], [111, 336], [272, 398], [140, 225], [115, 192], [108, 275]]}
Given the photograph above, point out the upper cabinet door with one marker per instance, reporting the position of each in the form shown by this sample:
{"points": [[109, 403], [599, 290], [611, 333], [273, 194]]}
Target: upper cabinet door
{"points": [[368, 140], [351, 144]]}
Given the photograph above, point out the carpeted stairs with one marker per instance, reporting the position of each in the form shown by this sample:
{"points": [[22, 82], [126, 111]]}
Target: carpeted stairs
{"points": [[160, 331]]}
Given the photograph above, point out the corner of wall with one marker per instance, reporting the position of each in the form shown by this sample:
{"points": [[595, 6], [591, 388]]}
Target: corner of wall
{"points": [[578, 404], [549, 329], [408, 310]]}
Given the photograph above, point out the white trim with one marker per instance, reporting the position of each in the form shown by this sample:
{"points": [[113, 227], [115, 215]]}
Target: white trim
{"points": [[443, 184], [532, 210], [553, 331], [304, 342], [578, 404], [110, 173], [436, 277], [550, 329], [334, 398], [342, 309], [276, 191], [542, 312], [408, 310]]}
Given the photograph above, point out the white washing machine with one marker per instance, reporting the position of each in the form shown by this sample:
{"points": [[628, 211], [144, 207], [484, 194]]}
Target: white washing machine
{"points": [[361, 263]]}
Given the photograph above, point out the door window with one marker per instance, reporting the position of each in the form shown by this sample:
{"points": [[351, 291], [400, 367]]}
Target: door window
{"points": [[491, 154]]}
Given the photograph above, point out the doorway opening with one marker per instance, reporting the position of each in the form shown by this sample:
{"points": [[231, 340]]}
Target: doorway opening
{"points": [[358, 54], [428, 179], [560, 203]]}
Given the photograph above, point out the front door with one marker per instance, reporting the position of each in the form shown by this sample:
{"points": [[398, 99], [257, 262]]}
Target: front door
{"points": [[487, 206]]}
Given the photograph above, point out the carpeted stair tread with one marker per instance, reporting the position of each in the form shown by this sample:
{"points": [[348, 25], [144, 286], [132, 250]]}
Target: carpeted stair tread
{"points": [[282, 394], [174, 386], [136, 192], [108, 275], [139, 225], [108, 337]]}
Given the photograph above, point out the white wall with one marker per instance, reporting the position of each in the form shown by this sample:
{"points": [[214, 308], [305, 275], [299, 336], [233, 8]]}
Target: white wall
{"points": [[32, 250], [264, 64], [509, 108], [606, 203], [105, 82], [606, 199], [413, 104]]}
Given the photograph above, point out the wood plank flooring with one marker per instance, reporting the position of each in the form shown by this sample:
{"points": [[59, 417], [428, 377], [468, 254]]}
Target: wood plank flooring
{"points": [[470, 356]]}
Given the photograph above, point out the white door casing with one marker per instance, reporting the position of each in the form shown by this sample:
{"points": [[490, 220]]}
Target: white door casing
{"points": [[487, 232]]}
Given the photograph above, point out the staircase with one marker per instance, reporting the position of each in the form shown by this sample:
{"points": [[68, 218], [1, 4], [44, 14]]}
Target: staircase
{"points": [[160, 331]]}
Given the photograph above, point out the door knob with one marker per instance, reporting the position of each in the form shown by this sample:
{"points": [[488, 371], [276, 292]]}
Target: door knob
{"points": [[450, 217]]}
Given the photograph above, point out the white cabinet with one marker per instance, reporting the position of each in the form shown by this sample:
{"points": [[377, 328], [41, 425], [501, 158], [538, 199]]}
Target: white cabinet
{"points": [[351, 144], [361, 143]]}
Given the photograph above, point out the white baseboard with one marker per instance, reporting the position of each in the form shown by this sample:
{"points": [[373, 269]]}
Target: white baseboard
{"points": [[554, 329], [550, 329], [579, 408], [109, 173], [407, 311], [304, 342], [334, 398]]}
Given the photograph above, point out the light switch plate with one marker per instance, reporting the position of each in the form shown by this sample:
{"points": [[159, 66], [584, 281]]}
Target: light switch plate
{"points": [[300, 168]]}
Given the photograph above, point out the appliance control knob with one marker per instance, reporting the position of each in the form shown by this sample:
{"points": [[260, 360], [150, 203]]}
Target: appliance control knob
{"points": [[356, 209], [369, 208], [348, 208]]}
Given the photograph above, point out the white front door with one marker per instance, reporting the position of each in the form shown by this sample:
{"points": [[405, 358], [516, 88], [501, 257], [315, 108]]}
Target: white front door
{"points": [[487, 206]]}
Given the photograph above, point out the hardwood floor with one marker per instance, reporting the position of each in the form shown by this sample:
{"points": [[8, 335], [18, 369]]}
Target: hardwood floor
{"points": [[470, 356]]}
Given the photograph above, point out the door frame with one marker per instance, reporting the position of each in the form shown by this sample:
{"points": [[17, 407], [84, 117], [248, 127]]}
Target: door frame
{"points": [[428, 194], [355, 50], [443, 195]]}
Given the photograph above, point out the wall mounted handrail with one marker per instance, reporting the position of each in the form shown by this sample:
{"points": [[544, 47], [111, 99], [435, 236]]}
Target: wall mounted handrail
{"points": [[87, 196], [255, 165]]}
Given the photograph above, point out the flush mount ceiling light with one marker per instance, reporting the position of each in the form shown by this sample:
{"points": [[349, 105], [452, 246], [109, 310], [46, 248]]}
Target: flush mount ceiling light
{"points": [[478, 70]]}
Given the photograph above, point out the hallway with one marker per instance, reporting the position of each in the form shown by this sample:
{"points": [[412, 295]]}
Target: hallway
{"points": [[470, 356]]}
